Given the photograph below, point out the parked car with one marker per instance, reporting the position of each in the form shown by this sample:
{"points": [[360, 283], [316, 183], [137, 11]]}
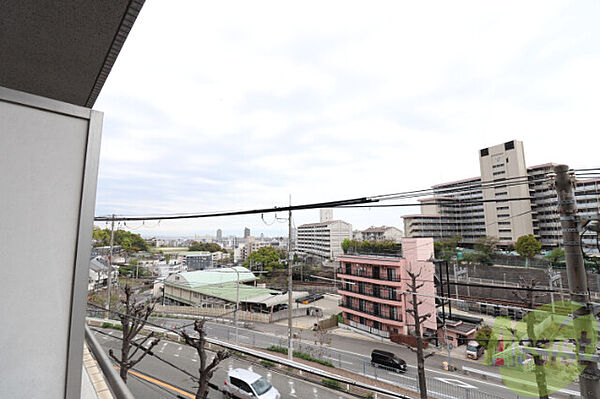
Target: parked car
{"points": [[242, 383], [309, 298], [387, 360]]}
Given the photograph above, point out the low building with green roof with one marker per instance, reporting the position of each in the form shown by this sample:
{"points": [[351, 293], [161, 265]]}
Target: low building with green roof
{"points": [[219, 286]]}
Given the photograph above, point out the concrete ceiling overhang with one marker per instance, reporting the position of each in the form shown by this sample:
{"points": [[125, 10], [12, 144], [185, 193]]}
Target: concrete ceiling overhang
{"points": [[62, 49]]}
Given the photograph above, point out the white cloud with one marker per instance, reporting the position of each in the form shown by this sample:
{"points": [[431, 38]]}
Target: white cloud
{"points": [[215, 106]]}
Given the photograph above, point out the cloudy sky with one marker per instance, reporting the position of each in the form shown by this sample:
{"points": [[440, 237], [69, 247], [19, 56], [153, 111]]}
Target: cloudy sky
{"points": [[233, 105]]}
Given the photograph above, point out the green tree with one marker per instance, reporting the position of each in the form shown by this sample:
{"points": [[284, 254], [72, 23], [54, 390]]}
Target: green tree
{"points": [[102, 237], [268, 257], [206, 246], [527, 246], [483, 335], [485, 248], [129, 241], [556, 256], [371, 247], [446, 249], [349, 245]]}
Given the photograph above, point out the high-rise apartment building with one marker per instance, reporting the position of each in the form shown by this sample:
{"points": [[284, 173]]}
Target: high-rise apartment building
{"points": [[507, 200], [219, 235], [246, 232], [323, 239]]}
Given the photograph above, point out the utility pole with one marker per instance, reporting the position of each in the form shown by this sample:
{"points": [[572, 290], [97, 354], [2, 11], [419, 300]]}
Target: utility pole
{"points": [[529, 300], [589, 380], [290, 261], [110, 269]]}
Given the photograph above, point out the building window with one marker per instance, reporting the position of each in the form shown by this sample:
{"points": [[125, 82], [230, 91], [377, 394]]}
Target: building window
{"points": [[501, 208], [485, 152], [196, 295], [391, 274], [361, 305], [504, 223], [500, 165], [501, 194], [509, 146], [501, 172]]}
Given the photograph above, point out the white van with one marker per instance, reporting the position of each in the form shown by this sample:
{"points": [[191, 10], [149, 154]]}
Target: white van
{"points": [[242, 383]]}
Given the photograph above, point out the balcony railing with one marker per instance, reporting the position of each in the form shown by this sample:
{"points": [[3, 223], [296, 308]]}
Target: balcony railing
{"points": [[381, 276], [371, 330], [372, 294], [117, 386], [369, 313]]}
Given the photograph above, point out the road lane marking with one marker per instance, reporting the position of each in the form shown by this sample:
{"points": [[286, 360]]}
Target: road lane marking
{"points": [[316, 392], [160, 383], [292, 390], [162, 349], [454, 381]]}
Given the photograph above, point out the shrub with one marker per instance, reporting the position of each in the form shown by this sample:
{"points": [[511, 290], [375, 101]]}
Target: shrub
{"points": [[267, 363], [300, 355], [278, 349], [331, 383], [113, 326]]}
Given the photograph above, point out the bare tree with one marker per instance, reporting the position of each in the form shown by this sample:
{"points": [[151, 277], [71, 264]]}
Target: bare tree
{"points": [[206, 369], [413, 287], [529, 299], [133, 319]]}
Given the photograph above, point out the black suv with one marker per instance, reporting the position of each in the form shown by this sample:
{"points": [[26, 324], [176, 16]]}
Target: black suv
{"points": [[387, 360]]}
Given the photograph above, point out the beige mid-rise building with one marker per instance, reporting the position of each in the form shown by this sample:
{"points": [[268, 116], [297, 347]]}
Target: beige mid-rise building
{"points": [[512, 219]]}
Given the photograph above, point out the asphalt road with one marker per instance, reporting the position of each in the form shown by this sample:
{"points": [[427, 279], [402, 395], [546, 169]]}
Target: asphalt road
{"points": [[154, 378], [354, 355]]}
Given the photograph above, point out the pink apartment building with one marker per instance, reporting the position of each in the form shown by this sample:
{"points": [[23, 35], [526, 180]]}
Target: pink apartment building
{"points": [[374, 290]]}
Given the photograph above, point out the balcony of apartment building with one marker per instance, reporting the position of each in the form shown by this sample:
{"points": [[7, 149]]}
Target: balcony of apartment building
{"points": [[372, 274], [371, 317], [388, 295]]}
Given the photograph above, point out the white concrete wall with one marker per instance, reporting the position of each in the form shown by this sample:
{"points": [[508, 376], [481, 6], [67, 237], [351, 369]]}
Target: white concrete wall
{"points": [[47, 201]]}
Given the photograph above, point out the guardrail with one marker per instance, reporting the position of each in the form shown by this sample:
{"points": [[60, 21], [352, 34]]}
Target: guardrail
{"points": [[308, 369], [116, 384]]}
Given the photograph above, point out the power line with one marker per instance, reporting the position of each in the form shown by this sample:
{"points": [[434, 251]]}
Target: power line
{"points": [[318, 205], [442, 201], [330, 204]]}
